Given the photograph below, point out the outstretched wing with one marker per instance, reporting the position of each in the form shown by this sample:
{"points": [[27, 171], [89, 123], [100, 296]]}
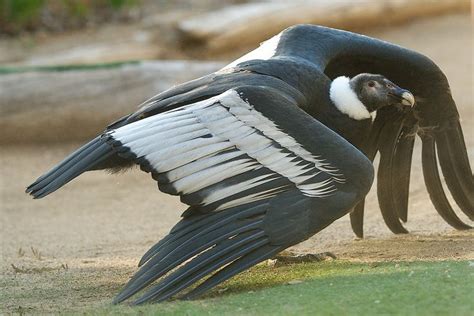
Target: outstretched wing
{"points": [[434, 118], [258, 173]]}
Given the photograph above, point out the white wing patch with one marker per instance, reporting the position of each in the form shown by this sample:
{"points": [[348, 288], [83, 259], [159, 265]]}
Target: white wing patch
{"points": [[247, 114], [265, 51], [207, 142]]}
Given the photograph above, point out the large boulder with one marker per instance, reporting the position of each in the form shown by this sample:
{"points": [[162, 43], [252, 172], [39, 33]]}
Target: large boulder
{"points": [[51, 105], [242, 26]]}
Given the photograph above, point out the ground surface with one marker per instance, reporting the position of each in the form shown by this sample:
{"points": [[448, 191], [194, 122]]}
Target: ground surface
{"points": [[74, 249]]}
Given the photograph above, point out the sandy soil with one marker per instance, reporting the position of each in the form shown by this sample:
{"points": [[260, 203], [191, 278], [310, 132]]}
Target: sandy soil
{"points": [[78, 246]]}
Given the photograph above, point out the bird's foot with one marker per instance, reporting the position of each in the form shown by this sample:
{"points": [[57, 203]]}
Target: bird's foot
{"points": [[288, 257]]}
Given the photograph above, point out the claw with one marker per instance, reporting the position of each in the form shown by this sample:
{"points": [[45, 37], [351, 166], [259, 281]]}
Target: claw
{"points": [[434, 187], [288, 257]]}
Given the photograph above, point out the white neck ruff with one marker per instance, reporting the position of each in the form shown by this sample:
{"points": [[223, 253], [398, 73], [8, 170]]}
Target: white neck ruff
{"points": [[346, 100]]}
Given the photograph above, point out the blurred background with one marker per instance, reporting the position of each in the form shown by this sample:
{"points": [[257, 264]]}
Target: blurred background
{"points": [[93, 61], [70, 67]]}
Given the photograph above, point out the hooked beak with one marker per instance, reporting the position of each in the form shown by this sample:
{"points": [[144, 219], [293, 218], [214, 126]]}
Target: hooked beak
{"points": [[408, 98], [402, 97]]}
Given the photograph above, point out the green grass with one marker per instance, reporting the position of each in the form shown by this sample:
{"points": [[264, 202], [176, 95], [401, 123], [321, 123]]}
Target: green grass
{"points": [[331, 288], [21, 15]]}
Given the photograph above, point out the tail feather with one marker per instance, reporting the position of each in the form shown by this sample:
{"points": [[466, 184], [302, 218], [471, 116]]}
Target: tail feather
{"points": [[82, 160]]}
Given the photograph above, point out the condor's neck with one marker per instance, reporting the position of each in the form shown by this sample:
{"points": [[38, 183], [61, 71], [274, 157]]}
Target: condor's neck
{"points": [[340, 53]]}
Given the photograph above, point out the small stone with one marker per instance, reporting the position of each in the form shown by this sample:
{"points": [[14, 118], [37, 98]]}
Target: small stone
{"points": [[293, 282], [222, 290]]}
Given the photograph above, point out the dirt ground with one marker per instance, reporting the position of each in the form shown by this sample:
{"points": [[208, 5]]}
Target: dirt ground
{"points": [[76, 247]]}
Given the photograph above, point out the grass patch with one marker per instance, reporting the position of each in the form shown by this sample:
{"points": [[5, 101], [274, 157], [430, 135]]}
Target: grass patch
{"points": [[57, 15], [331, 288]]}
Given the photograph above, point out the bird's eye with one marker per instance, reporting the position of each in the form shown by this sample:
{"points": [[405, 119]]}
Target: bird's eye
{"points": [[371, 84], [389, 85]]}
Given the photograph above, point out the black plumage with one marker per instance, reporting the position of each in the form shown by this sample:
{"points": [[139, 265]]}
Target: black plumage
{"points": [[265, 160]]}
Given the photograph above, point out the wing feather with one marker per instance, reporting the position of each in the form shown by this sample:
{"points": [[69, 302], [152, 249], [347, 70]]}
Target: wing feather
{"points": [[204, 152], [241, 174]]}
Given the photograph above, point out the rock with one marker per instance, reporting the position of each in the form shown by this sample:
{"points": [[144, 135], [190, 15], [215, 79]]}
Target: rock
{"points": [[240, 27], [293, 282], [77, 104], [109, 43]]}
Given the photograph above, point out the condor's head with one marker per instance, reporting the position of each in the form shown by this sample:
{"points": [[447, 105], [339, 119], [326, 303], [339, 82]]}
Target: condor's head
{"points": [[366, 93]]}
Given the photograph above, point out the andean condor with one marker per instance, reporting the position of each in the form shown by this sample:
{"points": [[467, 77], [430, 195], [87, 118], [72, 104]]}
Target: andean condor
{"points": [[255, 150]]}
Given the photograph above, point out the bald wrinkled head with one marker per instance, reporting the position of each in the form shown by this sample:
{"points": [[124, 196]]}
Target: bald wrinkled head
{"points": [[376, 91], [365, 93]]}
